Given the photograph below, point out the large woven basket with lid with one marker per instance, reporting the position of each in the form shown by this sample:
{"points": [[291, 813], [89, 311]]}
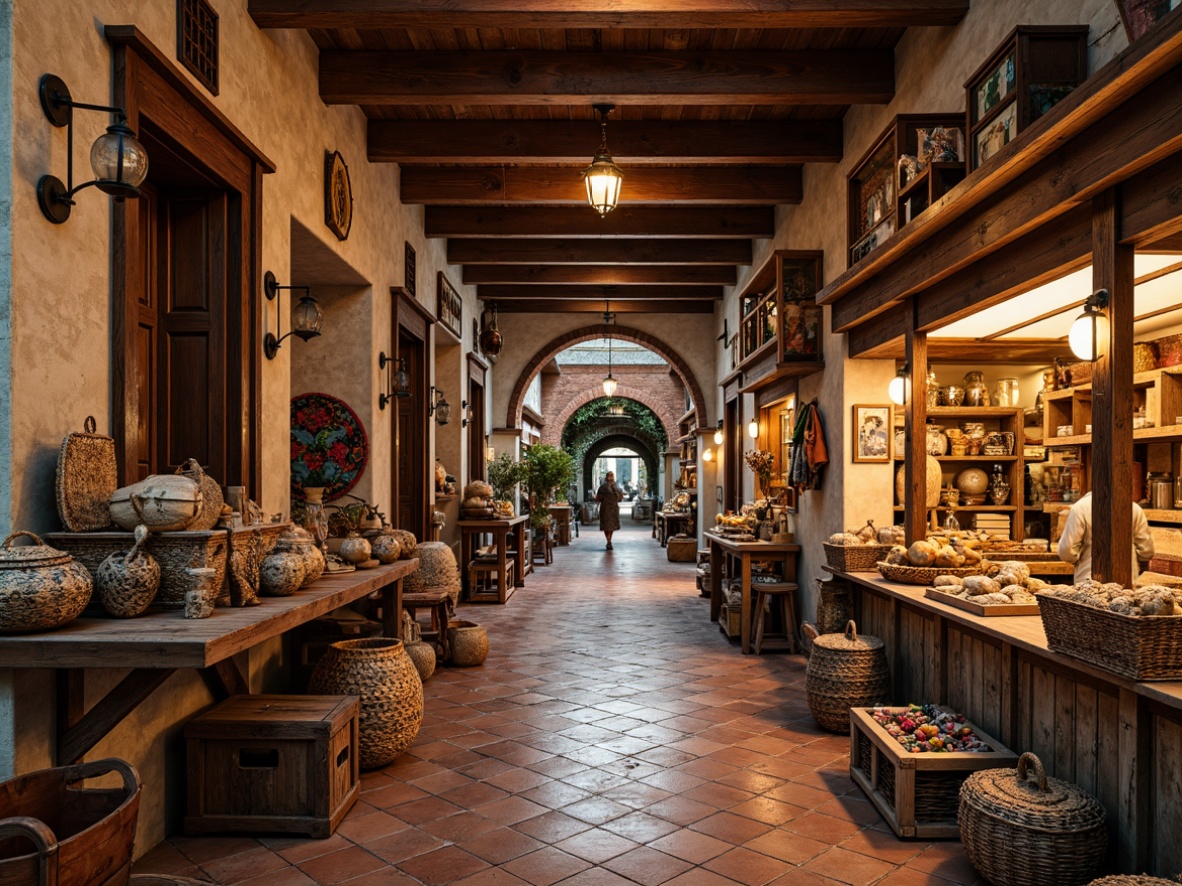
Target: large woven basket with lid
{"points": [[1018, 832], [845, 671]]}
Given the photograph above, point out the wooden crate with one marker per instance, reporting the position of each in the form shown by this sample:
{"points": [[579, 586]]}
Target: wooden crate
{"points": [[917, 794], [273, 763]]}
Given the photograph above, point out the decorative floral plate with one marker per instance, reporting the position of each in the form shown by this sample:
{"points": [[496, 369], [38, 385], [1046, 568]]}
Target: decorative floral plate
{"points": [[326, 436]]}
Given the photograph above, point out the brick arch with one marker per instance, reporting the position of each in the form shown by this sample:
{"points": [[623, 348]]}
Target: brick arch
{"points": [[589, 333], [624, 440], [552, 433]]}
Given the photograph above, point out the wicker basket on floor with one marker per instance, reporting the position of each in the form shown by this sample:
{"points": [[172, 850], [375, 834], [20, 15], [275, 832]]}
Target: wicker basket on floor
{"points": [[844, 671], [681, 549], [1021, 833]]}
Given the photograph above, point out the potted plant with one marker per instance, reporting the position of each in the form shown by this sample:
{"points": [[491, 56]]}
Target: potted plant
{"points": [[550, 468], [313, 485], [504, 475]]}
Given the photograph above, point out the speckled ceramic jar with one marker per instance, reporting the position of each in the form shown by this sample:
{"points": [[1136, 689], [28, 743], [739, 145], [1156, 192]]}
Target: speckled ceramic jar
{"points": [[40, 587], [299, 541], [355, 549], [281, 574], [386, 548], [127, 582]]}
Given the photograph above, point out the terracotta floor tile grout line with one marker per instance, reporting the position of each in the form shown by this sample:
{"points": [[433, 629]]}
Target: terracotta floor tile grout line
{"points": [[613, 736]]}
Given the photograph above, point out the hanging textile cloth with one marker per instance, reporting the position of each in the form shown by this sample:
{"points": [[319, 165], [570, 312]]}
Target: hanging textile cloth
{"points": [[809, 454]]}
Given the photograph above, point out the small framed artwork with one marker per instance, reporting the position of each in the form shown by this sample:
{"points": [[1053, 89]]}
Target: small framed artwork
{"points": [[872, 433], [451, 309]]}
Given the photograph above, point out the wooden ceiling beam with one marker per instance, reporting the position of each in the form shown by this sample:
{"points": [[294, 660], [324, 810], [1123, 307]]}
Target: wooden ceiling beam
{"points": [[724, 186], [632, 141], [564, 14], [971, 350], [605, 275], [622, 306], [730, 222], [806, 77], [597, 252], [598, 293]]}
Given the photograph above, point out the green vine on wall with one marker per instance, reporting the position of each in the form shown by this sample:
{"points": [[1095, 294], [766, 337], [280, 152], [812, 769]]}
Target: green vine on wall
{"points": [[590, 415]]}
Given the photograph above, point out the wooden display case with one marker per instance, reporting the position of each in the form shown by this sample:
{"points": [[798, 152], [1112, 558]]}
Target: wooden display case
{"points": [[885, 194], [780, 326], [1028, 74]]}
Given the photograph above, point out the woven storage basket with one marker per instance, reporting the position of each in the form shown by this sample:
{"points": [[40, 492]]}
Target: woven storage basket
{"points": [[86, 476], [844, 671], [835, 607], [1133, 880], [924, 575], [467, 642], [1138, 647], [681, 549], [1021, 833], [854, 558]]}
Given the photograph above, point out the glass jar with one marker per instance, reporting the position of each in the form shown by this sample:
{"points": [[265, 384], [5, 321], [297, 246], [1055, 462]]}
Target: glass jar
{"points": [[933, 398], [976, 392], [1007, 392]]}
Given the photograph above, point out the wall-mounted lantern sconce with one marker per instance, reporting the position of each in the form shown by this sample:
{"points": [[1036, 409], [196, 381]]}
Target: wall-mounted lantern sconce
{"points": [[1086, 331], [119, 161], [899, 390], [718, 435], [397, 381], [753, 428], [306, 319], [438, 407], [707, 454]]}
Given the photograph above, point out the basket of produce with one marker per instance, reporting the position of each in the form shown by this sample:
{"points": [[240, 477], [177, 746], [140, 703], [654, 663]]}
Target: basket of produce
{"points": [[1021, 832], [1006, 588], [1132, 633], [924, 575], [844, 671], [928, 559], [858, 550]]}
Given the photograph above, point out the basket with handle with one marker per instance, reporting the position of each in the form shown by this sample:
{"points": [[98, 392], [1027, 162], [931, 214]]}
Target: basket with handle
{"points": [[844, 671], [1018, 832], [87, 474]]}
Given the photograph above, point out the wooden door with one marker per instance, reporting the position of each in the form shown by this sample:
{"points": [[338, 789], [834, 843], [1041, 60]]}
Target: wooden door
{"points": [[733, 492], [476, 466], [410, 440]]}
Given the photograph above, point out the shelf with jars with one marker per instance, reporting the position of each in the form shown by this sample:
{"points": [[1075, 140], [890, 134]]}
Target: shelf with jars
{"points": [[780, 322], [1157, 408]]}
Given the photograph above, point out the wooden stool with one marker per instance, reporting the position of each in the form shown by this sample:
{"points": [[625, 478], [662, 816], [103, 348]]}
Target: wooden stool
{"points": [[785, 590], [543, 549], [439, 602], [484, 584]]}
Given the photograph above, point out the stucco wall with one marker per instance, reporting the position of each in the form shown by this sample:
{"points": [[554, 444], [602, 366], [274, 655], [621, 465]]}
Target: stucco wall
{"points": [[60, 326]]}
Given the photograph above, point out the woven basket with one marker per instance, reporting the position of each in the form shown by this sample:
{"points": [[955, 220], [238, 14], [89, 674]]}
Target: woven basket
{"points": [[380, 672], [924, 575], [1144, 356], [1138, 647], [681, 549], [854, 558], [86, 476], [1019, 833], [467, 643], [1133, 880], [835, 607], [844, 671]]}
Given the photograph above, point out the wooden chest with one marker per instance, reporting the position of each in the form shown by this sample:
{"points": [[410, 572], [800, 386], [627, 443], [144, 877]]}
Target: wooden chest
{"points": [[273, 763], [917, 794]]}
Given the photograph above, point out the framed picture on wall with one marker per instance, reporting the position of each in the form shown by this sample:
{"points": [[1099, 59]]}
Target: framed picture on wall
{"points": [[872, 433], [451, 310]]}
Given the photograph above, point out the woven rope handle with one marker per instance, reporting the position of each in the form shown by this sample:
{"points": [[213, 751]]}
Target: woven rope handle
{"points": [[90, 426], [809, 631], [36, 538], [851, 630], [141, 535], [192, 466], [1029, 759]]}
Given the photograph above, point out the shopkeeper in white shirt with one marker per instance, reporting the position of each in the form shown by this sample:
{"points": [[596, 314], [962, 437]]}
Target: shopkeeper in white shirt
{"points": [[1075, 545]]}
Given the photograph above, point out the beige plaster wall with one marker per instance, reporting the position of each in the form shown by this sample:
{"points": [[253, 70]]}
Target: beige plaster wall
{"points": [[61, 305], [931, 66]]}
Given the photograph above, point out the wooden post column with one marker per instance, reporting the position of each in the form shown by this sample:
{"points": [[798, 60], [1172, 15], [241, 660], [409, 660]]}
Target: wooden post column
{"points": [[915, 515], [1112, 399]]}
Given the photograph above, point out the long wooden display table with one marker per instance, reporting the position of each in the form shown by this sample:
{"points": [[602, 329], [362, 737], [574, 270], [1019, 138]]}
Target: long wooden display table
{"points": [[1119, 740], [154, 646], [744, 553]]}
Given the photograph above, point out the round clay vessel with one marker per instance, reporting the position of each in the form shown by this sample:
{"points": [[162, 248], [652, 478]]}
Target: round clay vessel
{"points": [[127, 582], [934, 479], [162, 502], [407, 541], [281, 574], [468, 642], [972, 481], [379, 671], [40, 587], [298, 540], [354, 549], [423, 656], [386, 548], [211, 496]]}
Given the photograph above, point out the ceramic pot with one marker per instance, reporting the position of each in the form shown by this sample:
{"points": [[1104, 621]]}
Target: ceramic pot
{"points": [[40, 587], [201, 599], [972, 481], [355, 549], [407, 541], [313, 494], [382, 675], [933, 483], [281, 574], [423, 656], [976, 392], [937, 442], [974, 432], [386, 548], [900, 443], [211, 496], [162, 502], [299, 541], [127, 582], [468, 642]]}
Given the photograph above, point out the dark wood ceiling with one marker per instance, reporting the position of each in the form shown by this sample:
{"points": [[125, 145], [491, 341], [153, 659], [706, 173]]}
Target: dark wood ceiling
{"points": [[487, 106]]}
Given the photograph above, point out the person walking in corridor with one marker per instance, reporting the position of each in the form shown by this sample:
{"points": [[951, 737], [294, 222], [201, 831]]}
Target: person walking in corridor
{"points": [[609, 496]]}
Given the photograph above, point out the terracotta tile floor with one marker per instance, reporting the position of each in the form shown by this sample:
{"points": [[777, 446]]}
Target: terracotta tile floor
{"points": [[613, 736]]}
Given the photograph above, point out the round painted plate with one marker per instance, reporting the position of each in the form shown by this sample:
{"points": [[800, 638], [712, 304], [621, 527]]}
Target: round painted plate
{"points": [[326, 436]]}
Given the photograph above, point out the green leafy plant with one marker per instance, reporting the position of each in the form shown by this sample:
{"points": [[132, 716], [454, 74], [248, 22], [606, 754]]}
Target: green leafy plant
{"points": [[504, 474], [550, 468]]}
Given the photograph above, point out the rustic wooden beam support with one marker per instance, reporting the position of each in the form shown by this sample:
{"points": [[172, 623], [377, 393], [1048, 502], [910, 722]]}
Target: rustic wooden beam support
{"points": [[71, 697], [224, 679], [620, 306], [574, 252], [729, 222], [725, 186], [95, 724], [969, 350], [916, 463], [564, 14], [607, 275], [819, 77], [633, 142], [599, 293], [1112, 396], [890, 327]]}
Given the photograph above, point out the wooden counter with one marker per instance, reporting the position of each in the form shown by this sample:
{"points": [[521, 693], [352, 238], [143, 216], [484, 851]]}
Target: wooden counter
{"points": [[744, 553], [1119, 740]]}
